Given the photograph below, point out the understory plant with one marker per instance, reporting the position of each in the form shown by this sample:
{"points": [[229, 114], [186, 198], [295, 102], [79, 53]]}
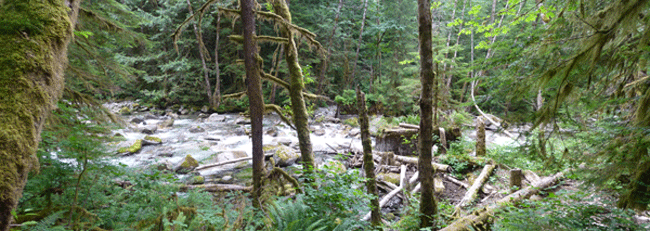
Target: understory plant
{"points": [[578, 210]]}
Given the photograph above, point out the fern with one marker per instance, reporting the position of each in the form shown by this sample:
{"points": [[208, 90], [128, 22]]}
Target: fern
{"points": [[294, 216], [47, 223]]}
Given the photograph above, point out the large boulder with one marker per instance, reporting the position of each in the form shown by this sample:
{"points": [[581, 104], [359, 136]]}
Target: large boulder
{"points": [[197, 129], [186, 165], [242, 121], [389, 177], [168, 123], [151, 140], [216, 118], [283, 155], [134, 148], [205, 109], [125, 111], [138, 120], [149, 129]]}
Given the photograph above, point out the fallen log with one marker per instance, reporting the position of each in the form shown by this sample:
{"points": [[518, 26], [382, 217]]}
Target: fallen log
{"points": [[414, 160], [217, 187], [456, 181], [409, 126], [480, 219], [384, 200], [530, 176], [229, 162], [473, 190]]}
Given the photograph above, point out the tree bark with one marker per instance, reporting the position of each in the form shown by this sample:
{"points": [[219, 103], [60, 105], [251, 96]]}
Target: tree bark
{"points": [[480, 137], [428, 207], [32, 64], [363, 23], [296, 85], [515, 179], [254, 83], [368, 163]]}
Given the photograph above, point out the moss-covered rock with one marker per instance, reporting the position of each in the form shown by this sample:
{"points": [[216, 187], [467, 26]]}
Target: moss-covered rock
{"points": [[244, 174], [153, 139], [125, 111], [353, 122], [389, 177], [134, 148], [196, 180], [283, 155], [187, 165]]}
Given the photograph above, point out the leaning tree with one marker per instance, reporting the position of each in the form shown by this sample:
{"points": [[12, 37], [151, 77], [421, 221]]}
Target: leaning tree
{"points": [[33, 56]]}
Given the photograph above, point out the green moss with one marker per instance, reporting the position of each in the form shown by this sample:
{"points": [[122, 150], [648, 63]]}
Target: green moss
{"points": [[134, 148], [153, 138], [353, 122], [125, 111], [189, 162], [34, 36], [246, 173], [390, 177], [197, 180]]}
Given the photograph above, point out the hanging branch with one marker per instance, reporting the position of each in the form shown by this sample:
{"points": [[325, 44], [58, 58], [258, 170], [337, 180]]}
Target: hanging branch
{"points": [[278, 110]]}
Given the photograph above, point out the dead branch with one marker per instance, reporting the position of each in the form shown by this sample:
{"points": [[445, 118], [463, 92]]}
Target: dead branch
{"points": [[456, 181], [414, 160], [384, 200], [229, 162], [278, 110], [275, 80], [480, 217], [238, 95], [472, 191], [217, 187]]}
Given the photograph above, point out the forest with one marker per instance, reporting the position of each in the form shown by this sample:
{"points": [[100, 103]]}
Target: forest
{"points": [[324, 115]]}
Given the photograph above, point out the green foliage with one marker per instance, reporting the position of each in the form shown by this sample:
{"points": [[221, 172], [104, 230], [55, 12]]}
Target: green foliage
{"points": [[296, 216], [337, 198], [409, 119], [48, 223], [566, 211], [458, 158]]}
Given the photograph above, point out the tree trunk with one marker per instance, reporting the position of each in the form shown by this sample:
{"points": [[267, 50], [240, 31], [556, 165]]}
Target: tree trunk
{"points": [[323, 69], [428, 207], [296, 87], [216, 94], [368, 163], [363, 23], [254, 83], [515, 179], [32, 64], [206, 72], [480, 137]]}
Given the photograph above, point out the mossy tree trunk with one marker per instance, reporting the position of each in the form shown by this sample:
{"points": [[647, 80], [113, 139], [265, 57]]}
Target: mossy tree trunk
{"points": [[428, 207], [296, 85], [33, 57], [254, 83], [368, 163]]}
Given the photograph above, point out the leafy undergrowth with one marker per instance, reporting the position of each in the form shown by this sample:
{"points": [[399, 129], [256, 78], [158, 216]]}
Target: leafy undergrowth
{"points": [[568, 210]]}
